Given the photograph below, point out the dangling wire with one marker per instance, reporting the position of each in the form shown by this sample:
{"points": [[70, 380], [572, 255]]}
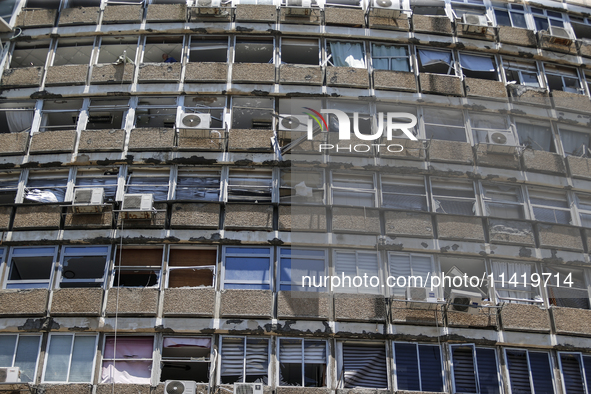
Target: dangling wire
{"points": [[117, 305]]}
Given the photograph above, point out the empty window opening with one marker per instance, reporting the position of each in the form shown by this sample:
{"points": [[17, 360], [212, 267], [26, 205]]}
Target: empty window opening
{"points": [[573, 295], [454, 197], [16, 116], [208, 50], [346, 54], [390, 57], [105, 179], [302, 362], [301, 187], [356, 263], [83, 3], [404, 193], [125, 2], [523, 291], [581, 27], [453, 266], [244, 360], [29, 54], [444, 124], [247, 268], [562, 78], [70, 358], [252, 113], [491, 129], [300, 51], [503, 201], [584, 205], [30, 268], [8, 187], [192, 185], [191, 267], [156, 112], [406, 265], [353, 189], [107, 114], [436, 62], [252, 50], [295, 263], [418, 367], [117, 50], [47, 4], [84, 266], [576, 142], [60, 114], [186, 358], [536, 136], [550, 205], [21, 351], [73, 51], [46, 186], [137, 267], [508, 14], [474, 370], [481, 67], [214, 106], [127, 360], [363, 365], [163, 49], [154, 182], [521, 73], [529, 372]]}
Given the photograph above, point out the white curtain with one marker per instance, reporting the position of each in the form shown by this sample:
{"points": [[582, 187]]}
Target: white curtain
{"points": [[347, 54], [477, 63], [575, 143], [397, 55], [19, 120], [513, 291], [433, 57], [534, 136]]}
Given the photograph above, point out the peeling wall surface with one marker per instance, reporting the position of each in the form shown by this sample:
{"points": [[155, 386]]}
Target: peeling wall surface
{"points": [[201, 218]]}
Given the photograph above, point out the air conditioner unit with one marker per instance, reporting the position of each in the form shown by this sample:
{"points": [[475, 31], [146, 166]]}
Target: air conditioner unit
{"points": [[207, 8], [558, 40], [209, 3], [248, 388], [137, 206], [476, 20], [180, 387], [392, 8], [500, 142], [426, 297], [10, 375], [88, 200], [293, 122], [298, 7], [195, 121], [464, 301]]}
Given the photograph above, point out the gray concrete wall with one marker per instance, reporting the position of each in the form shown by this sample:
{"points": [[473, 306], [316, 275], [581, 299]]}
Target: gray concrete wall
{"points": [[355, 220], [53, 141], [579, 167], [528, 96], [5, 213], [249, 216], [256, 13], [432, 24], [77, 301], [359, 307], [121, 388], [402, 314], [69, 74], [571, 101], [101, 140], [247, 303], [485, 88], [13, 143], [123, 14], [79, 16], [571, 321], [250, 140], [347, 76], [166, 13], [302, 305], [542, 161], [32, 17], [193, 140], [110, 73], [522, 317], [206, 72], [70, 388], [475, 33], [379, 19], [517, 36], [394, 80], [545, 42], [413, 150], [498, 160], [417, 224], [83, 221], [189, 302], [460, 227], [450, 151], [448, 85], [344, 16], [206, 215], [152, 138], [32, 302], [504, 231], [484, 318], [557, 236], [211, 14], [160, 72], [24, 76], [37, 216], [302, 218], [253, 72], [301, 74], [132, 301], [313, 18]]}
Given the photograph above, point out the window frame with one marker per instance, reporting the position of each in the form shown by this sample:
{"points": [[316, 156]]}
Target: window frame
{"points": [[424, 124], [549, 18], [199, 172], [48, 174], [535, 291], [64, 253], [452, 71], [357, 289], [116, 256], [408, 56], [114, 360], [245, 339], [144, 172], [7, 281], [292, 283], [44, 116], [585, 277], [285, 186], [550, 193], [452, 184], [303, 360], [280, 50], [74, 335], [475, 364], [328, 55], [520, 66], [144, 44], [138, 47], [393, 180], [496, 72], [510, 10], [86, 173], [255, 38], [562, 76], [531, 382], [15, 350], [270, 256], [417, 344], [339, 352], [56, 46], [192, 44], [488, 200], [389, 263], [582, 208], [373, 191], [6, 177], [210, 360], [212, 268], [582, 369]]}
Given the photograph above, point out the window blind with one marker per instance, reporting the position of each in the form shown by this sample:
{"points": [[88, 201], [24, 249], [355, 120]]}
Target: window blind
{"points": [[364, 366], [571, 372]]}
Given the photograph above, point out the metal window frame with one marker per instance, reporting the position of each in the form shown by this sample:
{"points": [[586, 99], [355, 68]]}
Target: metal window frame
{"points": [[434, 266], [44, 113], [245, 338], [389, 58], [578, 206], [327, 370], [15, 350], [373, 190], [210, 361], [198, 172], [255, 38], [390, 372], [544, 15], [130, 173], [549, 192], [577, 76], [354, 289], [212, 268], [287, 187], [272, 109], [114, 360], [144, 43], [328, 55], [538, 72], [586, 384], [417, 344], [384, 179], [534, 292], [585, 276], [270, 256], [99, 45], [56, 46], [79, 174], [474, 357], [454, 65], [450, 185], [281, 256], [472, 115], [531, 381], [74, 335], [280, 49], [190, 43], [486, 200], [510, 10], [48, 281], [114, 268], [5, 177], [64, 253], [424, 123], [495, 61], [188, 109]]}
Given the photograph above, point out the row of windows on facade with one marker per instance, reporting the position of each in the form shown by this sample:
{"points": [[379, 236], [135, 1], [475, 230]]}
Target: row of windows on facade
{"points": [[494, 13], [292, 269], [239, 112], [460, 368], [304, 186], [381, 56]]}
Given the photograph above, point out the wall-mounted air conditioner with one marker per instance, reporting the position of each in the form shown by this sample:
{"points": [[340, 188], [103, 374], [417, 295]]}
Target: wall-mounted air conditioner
{"points": [[473, 19], [298, 7], [195, 121], [209, 3], [206, 8], [293, 122], [392, 7], [180, 387], [464, 301], [88, 200], [500, 142], [137, 206], [10, 375], [248, 388], [425, 296]]}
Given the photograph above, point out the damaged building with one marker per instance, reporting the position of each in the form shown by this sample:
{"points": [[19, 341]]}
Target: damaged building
{"points": [[160, 200]]}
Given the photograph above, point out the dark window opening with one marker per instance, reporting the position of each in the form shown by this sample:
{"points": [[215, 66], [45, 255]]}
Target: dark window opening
{"points": [[47, 4], [191, 267], [84, 3], [208, 50], [436, 62], [84, 267], [117, 50], [253, 51], [299, 51], [139, 267], [73, 51], [252, 113], [30, 54], [163, 49], [186, 358]]}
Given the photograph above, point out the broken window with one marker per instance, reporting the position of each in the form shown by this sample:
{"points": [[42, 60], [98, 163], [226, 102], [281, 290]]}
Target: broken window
{"points": [[436, 62], [191, 267], [519, 291], [550, 21], [363, 364], [29, 54], [444, 124], [529, 372], [16, 116], [405, 265], [198, 185], [254, 50], [563, 79], [144, 181], [300, 51], [163, 49], [576, 372], [47, 4], [30, 268], [60, 114], [348, 264], [346, 54], [469, 7], [107, 114], [481, 67], [418, 367], [20, 351], [581, 26], [70, 358], [127, 359], [208, 49], [118, 50], [550, 205], [575, 142], [453, 196], [137, 267], [521, 73], [156, 112], [503, 201], [83, 3], [491, 129], [402, 192], [186, 358], [355, 189], [535, 135], [390, 57], [584, 206], [302, 362], [83, 266], [46, 186], [252, 113], [244, 360], [296, 263], [301, 186], [212, 105], [508, 14], [568, 295], [8, 187], [105, 179], [73, 51], [459, 267], [250, 185], [247, 268], [474, 370]]}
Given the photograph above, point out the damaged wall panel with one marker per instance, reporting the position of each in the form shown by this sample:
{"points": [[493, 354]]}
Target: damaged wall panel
{"points": [[166, 13], [189, 302], [253, 73], [409, 223], [25, 76], [485, 88], [77, 301], [79, 16], [160, 72], [450, 151], [347, 77], [256, 13], [206, 72], [522, 317], [487, 158], [258, 140], [249, 216], [112, 73], [13, 143], [556, 236], [302, 218], [303, 305], [37, 216], [204, 215], [123, 13], [250, 303], [448, 85], [31, 302], [460, 227], [359, 307], [341, 16], [152, 138], [53, 141], [394, 80], [300, 74], [132, 301], [101, 140], [541, 161], [362, 220], [511, 232], [70, 74]]}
